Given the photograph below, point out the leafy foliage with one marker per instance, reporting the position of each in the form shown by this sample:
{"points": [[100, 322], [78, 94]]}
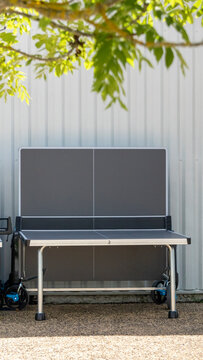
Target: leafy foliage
{"points": [[104, 34]]}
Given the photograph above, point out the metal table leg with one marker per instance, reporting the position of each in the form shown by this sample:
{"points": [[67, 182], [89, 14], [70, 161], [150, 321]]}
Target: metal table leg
{"points": [[19, 257], [40, 315], [172, 314], [23, 261]]}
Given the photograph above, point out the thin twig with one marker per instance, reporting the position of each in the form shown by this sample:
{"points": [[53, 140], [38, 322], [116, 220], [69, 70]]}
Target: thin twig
{"points": [[37, 57], [166, 44]]}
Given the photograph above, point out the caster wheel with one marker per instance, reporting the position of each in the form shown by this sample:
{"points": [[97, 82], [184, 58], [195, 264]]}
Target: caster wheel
{"points": [[158, 296], [16, 299]]}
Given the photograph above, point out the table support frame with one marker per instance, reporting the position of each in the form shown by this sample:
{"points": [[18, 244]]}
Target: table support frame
{"points": [[172, 314]]}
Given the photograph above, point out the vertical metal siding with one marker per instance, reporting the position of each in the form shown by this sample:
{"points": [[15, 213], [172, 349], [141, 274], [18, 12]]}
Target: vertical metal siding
{"points": [[165, 109]]}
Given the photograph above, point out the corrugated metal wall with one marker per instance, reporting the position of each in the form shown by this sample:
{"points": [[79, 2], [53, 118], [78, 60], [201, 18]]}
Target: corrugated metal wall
{"points": [[165, 109]]}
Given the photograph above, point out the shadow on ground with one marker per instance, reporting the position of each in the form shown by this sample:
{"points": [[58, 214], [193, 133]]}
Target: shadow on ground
{"points": [[102, 319]]}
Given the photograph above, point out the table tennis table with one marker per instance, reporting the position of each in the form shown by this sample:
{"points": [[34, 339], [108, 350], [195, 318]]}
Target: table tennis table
{"points": [[57, 213]]}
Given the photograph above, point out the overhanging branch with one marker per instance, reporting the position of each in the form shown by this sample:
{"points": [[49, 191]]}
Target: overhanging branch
{"points": [[52, 23], [38, 57]]}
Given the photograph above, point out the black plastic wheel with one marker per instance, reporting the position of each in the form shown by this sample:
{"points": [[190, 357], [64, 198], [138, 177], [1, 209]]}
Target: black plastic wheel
{"points": [[156, 295], [14, 299]]}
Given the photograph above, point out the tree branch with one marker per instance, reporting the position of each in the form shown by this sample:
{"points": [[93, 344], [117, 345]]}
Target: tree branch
{"points": [[52, 23], [53, 10], [165, 44], [37, 57], [130, 37], [62, 11]]}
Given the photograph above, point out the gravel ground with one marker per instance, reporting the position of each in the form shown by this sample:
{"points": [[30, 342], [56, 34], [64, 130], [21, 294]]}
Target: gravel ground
{"points": [[103, 332]]}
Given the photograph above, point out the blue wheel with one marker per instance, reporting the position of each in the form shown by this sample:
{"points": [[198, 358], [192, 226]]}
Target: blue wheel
{"points": [[16, 299]]}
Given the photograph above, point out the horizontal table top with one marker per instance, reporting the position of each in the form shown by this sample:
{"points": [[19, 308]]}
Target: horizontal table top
{"points": [[102, 237]]}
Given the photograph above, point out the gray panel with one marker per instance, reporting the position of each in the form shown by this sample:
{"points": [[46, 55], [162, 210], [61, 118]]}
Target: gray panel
{"points": [[129, 263], [56, 182], [62, 264], [130, 182], [112, 264]]}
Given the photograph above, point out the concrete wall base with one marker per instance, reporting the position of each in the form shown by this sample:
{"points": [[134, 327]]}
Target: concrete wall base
{"points": [[111, 299]]}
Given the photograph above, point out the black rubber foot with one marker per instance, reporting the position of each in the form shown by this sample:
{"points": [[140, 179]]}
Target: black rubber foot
{"points": [[173, 314], [40, 316]]}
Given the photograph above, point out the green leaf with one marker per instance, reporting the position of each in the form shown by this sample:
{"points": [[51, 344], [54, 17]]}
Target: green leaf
{"points": [[169, 56], [8, 37], [122, 104], [88, 64], [10, 92], [121, 56], [28, 62], [169, 20], [197, 4], [38, 44], [111, 103], [158, 14], [131, 62], [143, 58], [44, 22], [75, 6], [58, 71], [158, 52], [183, 63], [185, 35], [183, 32], [150, 36]]}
